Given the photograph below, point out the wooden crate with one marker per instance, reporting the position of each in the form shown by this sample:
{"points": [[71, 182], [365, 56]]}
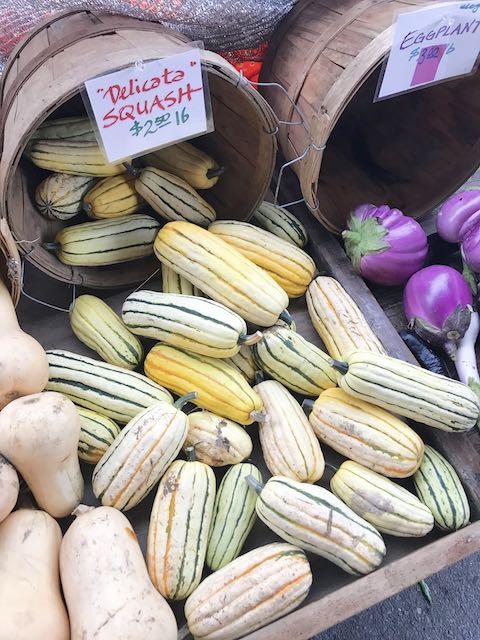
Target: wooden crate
{"points": [[334, 595]]}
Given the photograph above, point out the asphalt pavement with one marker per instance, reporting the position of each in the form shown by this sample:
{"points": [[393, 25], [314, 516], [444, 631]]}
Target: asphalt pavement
{"points": [[453, 615]]}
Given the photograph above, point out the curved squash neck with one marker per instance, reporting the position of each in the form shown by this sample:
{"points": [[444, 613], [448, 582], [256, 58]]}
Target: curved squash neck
{"points": [[8, 317]]}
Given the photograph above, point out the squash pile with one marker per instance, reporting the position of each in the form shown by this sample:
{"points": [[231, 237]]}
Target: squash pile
{"points": [[226, 344]]}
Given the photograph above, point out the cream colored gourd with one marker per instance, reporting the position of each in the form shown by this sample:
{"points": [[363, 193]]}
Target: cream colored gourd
{"points": [[23, 362], [389, 507], [105, 581], [248, 593], [9, 487], [289, 445], [140, 454], [179, 525], [39, 435], [217, 441], [31, 605], [367, 434], [314, 519]]}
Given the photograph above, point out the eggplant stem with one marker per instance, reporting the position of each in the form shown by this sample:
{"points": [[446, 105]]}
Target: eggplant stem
{"points": [[251, 338], [341, 367], [254, 484], [182, 401], [215, 173]]}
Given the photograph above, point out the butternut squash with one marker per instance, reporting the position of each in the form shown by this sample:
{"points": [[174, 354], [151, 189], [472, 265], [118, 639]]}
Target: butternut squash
{"points": [[39, 435], [105, 581], [9, 487], [31, 605], [23, 362]]}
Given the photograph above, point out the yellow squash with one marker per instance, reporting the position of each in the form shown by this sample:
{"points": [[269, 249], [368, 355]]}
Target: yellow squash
{"points": [[287, 264], [220, 388]]}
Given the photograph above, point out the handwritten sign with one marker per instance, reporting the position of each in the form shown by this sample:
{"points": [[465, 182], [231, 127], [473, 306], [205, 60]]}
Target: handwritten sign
{"points": [[149, 105], [432, 44]]}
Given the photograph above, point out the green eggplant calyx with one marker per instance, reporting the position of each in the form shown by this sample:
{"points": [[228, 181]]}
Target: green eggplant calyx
{"points": [[364, 238]]}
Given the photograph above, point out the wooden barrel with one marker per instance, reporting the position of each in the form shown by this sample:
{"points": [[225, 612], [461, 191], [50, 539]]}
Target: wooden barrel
{"points": [[43, 77], [411, 151]]}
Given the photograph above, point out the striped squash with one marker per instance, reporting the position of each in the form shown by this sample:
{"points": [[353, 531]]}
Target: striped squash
{"points": [[217, 441], [78, 157], [104, 242], [364, 433], [287, 264], [112, 198], [233, 515], [289, 445], [96, 434], [140, 455], [172, 282], [439, 488], [244, 362], [59, 196], [189, 322], [100, 328], [280, 222], [220, 388], [294, 362], [187, 162], [111, 391], [314, 519], [173, 198], [71, 128], [221, 272], [178, 530], [390, 508], [409, 391], [338, 320], [248, 593]]}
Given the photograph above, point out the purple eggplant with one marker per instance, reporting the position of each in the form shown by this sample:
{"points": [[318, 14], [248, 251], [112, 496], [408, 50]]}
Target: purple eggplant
{"points": [[385, 246], [438, 305], [459, 221]]}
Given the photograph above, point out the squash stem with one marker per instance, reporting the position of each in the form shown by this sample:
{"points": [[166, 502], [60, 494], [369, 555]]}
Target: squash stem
{"points": [[181, 402], [250, 339], [307, 406], [341, 367], [332, 467], [190, 452], [215, 173], [254, 484], [183, 632], [259, 377], [82, 509], [131, 169], [51, 246], [258, 416], [286, 317]]}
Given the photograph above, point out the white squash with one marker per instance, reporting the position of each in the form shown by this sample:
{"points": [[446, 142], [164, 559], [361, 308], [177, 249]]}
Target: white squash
{"points": [[9, 487], [31, 605], [105, 581], [39, 436]]}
